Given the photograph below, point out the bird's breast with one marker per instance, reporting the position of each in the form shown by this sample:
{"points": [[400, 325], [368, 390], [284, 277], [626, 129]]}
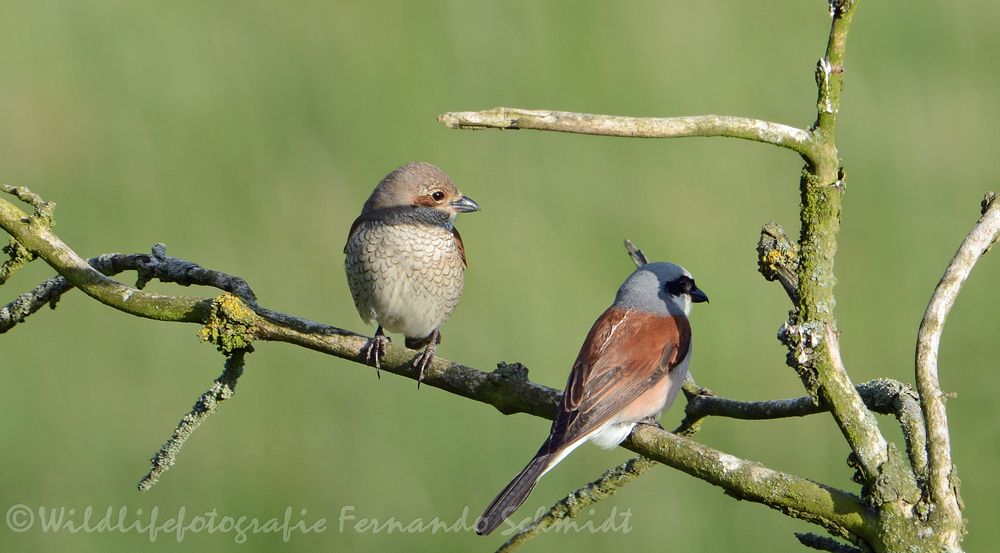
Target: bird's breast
{"points": [[406, 276]]}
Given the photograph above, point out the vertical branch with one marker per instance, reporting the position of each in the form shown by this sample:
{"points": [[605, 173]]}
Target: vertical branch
{"points": [[811, 335], [943, 491]]}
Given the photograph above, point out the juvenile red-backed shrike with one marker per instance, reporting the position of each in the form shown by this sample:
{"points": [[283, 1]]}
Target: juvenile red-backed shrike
{"points": [[405, 259], [631, 367]]}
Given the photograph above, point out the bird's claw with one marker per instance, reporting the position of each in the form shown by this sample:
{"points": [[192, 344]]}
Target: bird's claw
{"points": [[423, 360], [652, 421], [374, 349]]}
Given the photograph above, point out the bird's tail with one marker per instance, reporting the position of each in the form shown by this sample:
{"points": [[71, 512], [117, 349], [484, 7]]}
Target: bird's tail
{"points": [[512, 496]]}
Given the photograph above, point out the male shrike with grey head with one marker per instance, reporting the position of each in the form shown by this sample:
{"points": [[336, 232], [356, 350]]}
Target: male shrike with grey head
{"points": [[631, 367]]}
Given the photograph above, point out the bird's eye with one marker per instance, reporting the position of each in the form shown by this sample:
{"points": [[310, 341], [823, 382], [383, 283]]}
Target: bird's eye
{"points": [[678, 286], [437, 195]]}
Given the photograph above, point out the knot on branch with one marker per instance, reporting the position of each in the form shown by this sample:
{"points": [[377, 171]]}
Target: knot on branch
{"points": [[778, 259], [802, 342], [508, 373], [987, 200], [230, 325], [508, 386], [839, 7], [984, 206]]}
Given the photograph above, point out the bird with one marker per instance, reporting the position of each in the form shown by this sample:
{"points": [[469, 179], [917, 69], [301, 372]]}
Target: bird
{"points": [[405, 260], [630, 368]]}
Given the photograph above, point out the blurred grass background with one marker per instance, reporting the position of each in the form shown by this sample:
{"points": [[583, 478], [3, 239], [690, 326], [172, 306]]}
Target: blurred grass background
{"points": [[246, 136]]}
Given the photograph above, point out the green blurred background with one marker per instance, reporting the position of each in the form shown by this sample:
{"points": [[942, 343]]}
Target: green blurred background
{"points": [[246, 135]]}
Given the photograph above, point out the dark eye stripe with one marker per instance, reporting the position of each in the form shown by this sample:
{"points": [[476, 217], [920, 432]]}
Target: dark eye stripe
{"points": [[680, 285]]}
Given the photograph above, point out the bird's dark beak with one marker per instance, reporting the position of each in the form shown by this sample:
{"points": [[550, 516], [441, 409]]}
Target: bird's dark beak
{"points": [[697, 296], [465, 204]]}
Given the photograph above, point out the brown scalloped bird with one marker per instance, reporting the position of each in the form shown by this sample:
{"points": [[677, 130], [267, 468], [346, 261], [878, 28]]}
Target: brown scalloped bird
{"points": [[405, 259]]}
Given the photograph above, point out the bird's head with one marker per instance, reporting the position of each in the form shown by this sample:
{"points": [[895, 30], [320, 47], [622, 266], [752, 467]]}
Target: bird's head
{"points": [[420, 185], [660, 288]]}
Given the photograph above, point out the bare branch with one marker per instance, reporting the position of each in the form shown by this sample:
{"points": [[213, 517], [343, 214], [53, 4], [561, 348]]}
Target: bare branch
{"points": [[24, 305], [574, 503], [842, 513], [883, 396], [635, 253], [39, 240], [825, 543], [794, 139], [157, 265], [222, 389], [943, 487]]}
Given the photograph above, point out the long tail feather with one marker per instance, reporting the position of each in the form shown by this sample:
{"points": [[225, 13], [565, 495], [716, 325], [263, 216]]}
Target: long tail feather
{"points": [[512, 496]]}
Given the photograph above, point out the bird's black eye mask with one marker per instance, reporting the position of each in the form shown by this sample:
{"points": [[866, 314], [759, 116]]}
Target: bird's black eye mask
{"points": [[680, 285]]}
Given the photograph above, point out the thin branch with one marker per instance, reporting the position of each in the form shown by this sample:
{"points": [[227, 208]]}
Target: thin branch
{"points": [[635, 253], [222, 389], [825, 543], [157, 265], [943, 487], [40, 240], [48, 292], [883, 396], [797, 140], [574, 503]]}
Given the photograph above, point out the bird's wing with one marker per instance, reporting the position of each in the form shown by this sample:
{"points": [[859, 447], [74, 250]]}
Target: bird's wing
{"points": [[624, 355], [460, 244], [354, 226]]}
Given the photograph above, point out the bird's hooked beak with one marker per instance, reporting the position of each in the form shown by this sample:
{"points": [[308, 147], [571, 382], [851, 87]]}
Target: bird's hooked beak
{"points": [[697, 296], [464, 204]]}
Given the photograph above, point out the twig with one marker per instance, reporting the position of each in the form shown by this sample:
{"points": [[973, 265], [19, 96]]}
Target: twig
{"points": [[574, 503], [943, 488], [222, 389], [157, 265], [48, 292], [825, 543], [797, 140], [635, 253]]}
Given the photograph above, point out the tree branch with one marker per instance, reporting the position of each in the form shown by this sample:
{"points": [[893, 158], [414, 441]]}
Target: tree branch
{"points": [[824, 543], [837, 511], [222, 389], [231, 325], [573, 504], [943, 485], [811, 335], [794, 139], [882, 395], [40, 241], [157, 265]]}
